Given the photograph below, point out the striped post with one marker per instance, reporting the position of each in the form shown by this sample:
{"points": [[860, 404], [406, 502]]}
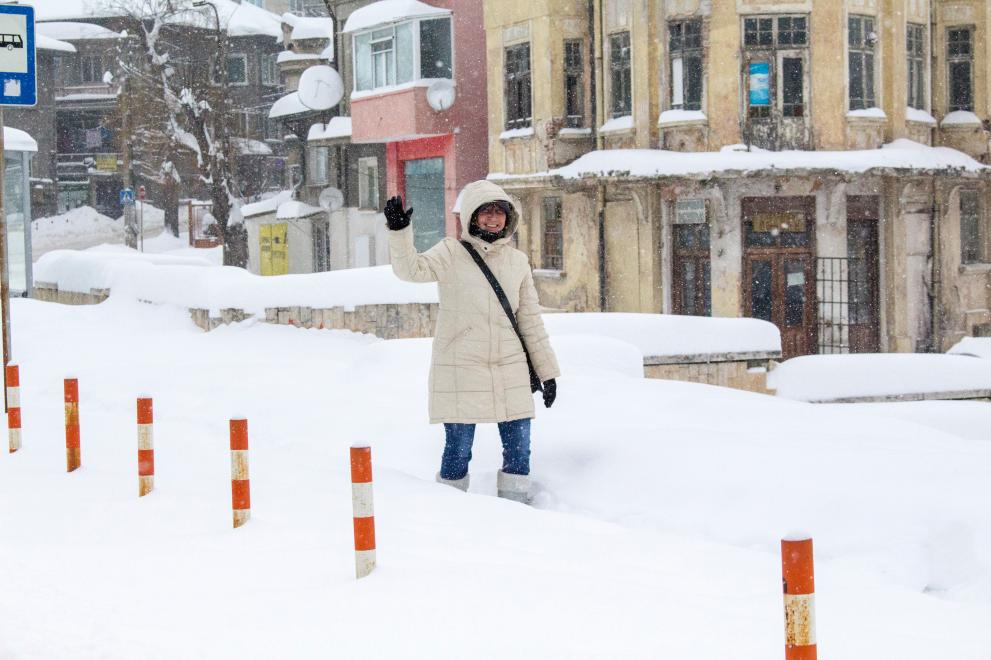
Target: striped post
{"points": [[799, 587], [13, 407], [240, 485], [146, 446], [73, 459], [364, 515]]}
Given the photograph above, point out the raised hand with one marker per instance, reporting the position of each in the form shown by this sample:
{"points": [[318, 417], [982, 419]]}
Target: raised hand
{"points": [[395, 217]]}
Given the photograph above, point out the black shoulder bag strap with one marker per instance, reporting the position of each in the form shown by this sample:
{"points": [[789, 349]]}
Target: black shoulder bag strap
{"points": [[535, 384]]}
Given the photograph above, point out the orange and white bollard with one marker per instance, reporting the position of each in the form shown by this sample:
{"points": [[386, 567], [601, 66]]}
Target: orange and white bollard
{"points": [[13, 407], [73, 458], [146, 446], [799, 587], [364, 514], [240, 485]]}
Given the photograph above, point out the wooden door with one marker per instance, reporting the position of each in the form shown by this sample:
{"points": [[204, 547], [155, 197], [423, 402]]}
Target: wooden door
{"points": [[779, 272], [780, 288], [864, 316]]}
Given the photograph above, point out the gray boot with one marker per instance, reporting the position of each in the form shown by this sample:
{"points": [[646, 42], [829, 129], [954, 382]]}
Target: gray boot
{"points": [[514, 487], [460, 484]]}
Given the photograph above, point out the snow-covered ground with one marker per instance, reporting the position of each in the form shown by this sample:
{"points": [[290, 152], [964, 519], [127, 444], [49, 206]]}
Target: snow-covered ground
{"points": [[84, 227], [654, 534]]}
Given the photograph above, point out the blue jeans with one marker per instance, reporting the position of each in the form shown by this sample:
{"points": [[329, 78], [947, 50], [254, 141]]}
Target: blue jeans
{"points": [[459, 438]]}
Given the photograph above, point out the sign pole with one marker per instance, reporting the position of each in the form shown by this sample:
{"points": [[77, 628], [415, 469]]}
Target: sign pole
{"points": [[4, 267]]}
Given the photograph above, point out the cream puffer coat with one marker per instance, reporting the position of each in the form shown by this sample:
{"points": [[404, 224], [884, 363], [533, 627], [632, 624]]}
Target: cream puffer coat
{"points": [[478, 371]]}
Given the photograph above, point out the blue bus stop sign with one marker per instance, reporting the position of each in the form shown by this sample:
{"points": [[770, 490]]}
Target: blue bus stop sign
{"points": [[18, 79]]}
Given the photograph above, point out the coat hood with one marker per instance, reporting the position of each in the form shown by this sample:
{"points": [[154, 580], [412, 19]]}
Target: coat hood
{"points": [[479, 193]]}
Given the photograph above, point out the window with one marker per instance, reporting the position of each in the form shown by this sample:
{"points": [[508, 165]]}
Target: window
{"points": [[270, 69], [368, 183], [971, 228], [916, 52], [518, 86], [776, 51], [257, 3], [318, 165], [91, 69], [402, 53], [552, 245], [237, 69], [574, 84], [619, 70], [861, 40], [685, 51], [308, 7], [960, 55], [435, 49]]}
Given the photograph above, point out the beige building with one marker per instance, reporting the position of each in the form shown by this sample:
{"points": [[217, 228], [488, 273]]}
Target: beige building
{"points": [[752, 158]]}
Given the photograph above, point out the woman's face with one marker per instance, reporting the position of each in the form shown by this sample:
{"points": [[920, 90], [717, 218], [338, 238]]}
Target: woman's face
{"points": [[491, 218]]}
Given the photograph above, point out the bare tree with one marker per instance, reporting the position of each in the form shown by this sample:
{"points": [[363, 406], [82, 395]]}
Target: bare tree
{"points": [[171, 106]]}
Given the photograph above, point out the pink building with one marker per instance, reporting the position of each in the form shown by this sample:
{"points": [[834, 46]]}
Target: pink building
{"points": [[419, 88]]}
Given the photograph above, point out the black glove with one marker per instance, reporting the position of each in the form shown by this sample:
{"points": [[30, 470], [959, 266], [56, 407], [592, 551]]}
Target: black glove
{"points": [[395, 217], [550, 392]]}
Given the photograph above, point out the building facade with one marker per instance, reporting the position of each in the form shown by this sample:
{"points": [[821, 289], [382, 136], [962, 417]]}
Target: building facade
{"points": [[815, 164]]}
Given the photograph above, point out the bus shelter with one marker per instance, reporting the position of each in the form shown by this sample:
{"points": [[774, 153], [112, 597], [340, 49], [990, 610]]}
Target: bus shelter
{"points": [[17, 152]]}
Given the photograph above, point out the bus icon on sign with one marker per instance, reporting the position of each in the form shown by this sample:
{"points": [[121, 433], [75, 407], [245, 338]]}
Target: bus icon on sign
{"points": [[11, 41]]}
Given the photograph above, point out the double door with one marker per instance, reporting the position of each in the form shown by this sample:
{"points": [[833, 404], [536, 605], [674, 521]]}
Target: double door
{"points": [[781, 289], [779, 268]]}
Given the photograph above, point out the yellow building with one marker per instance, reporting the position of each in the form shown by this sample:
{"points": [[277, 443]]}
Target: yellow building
{"points": [[817, 164]]}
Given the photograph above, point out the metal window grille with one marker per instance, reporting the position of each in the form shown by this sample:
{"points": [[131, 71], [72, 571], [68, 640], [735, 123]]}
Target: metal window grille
{"points": [[835, 288]]}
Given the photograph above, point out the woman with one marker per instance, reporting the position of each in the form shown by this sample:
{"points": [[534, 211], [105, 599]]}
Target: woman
{"points": [[478, 370]]}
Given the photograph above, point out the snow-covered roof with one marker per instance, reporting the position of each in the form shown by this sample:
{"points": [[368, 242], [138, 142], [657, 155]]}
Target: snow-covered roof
{"points": [[48, 43], [50, 10], [269, 205], [290, 104], [336, 128], [391, 11], [294, 209], [73, 31], [238, 19], [309, 27], [14, 139], [899, 155]]}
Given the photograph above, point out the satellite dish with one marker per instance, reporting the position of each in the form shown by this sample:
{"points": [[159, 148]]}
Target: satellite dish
{"points": [[331, 199], [320, 88], [441, 94]]}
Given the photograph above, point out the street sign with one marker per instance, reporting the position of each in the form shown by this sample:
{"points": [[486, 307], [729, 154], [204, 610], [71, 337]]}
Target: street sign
{"points": [[18, 80], [127, 196], [141, 193]]}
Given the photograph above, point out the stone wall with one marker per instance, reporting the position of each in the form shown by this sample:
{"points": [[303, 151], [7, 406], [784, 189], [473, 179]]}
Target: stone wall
{"points": [[739, 373], [50, 292]]}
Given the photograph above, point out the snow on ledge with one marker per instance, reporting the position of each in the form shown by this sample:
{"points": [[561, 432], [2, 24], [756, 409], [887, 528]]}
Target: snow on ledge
{"points": [[617, 124], [290, 104], [680, 117], [664, 335], [43, 42], [961, 118], [517, 133], [289, 56], [919, 116], [900, 154], [832, 377], [391, 89], [867, 113], [574, 132], [336, 128], [308, 27], [391, 11]]}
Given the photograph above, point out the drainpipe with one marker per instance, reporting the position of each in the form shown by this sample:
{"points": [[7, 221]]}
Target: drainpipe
{"points": [[595, 25], [932, 72], [936, 284]]}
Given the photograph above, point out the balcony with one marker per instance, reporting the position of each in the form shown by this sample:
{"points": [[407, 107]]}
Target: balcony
{"points": [[87, 95], [397, 115]]}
